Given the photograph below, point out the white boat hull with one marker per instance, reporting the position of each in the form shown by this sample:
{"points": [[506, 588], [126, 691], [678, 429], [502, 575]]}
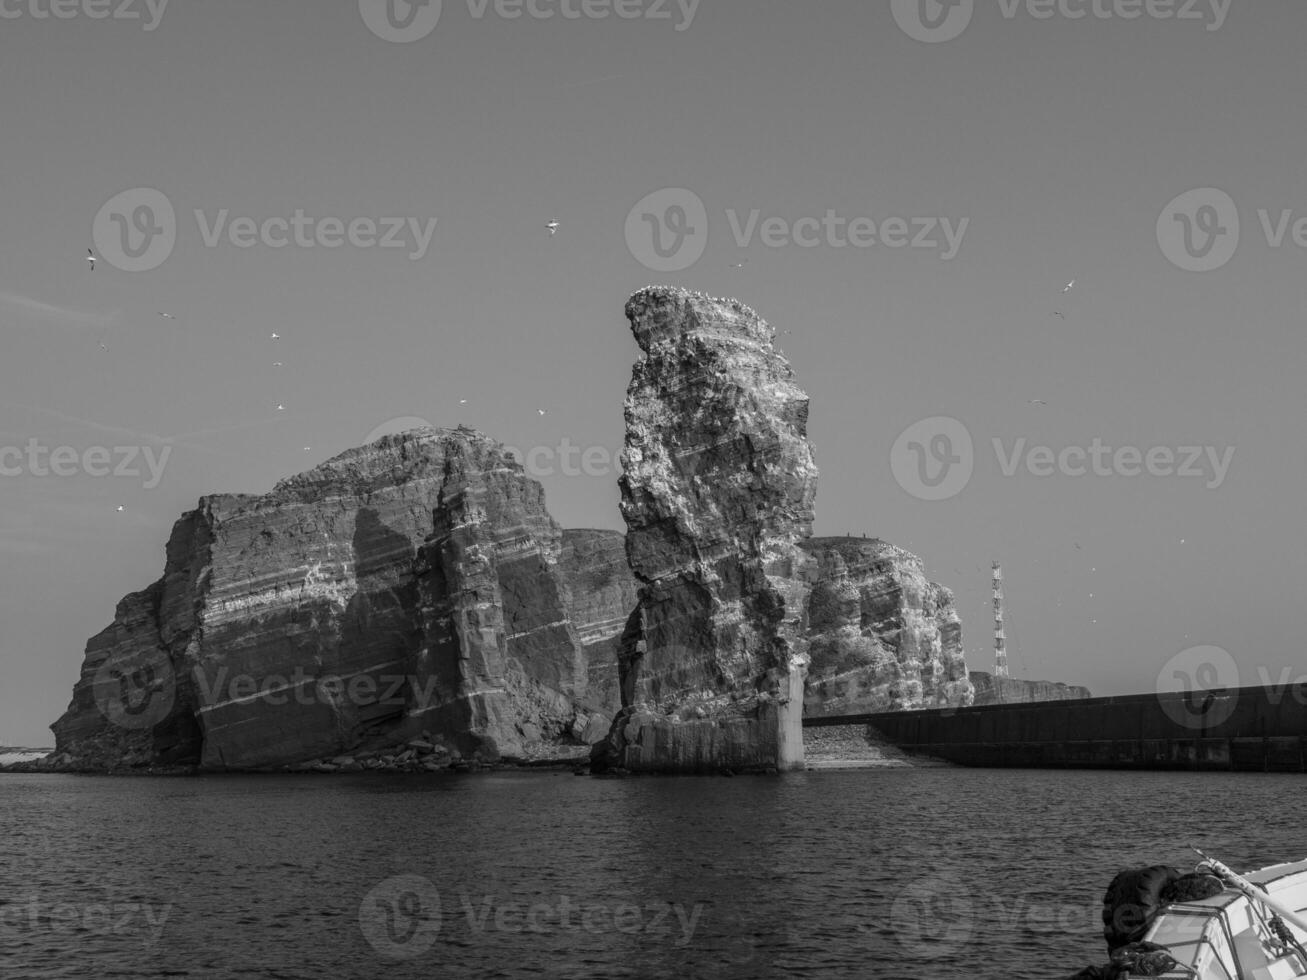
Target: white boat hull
{"points": [[1225, 937]]}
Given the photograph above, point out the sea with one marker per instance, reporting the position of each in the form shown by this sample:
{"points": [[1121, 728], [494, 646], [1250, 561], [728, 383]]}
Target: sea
{"points": [[937, 873]]}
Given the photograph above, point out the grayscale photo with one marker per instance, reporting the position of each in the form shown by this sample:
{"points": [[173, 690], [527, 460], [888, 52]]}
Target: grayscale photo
{"points": [[652, 489]]}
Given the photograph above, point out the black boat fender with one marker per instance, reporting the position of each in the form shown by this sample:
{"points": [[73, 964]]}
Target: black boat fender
{"points": [[1132, 902]]}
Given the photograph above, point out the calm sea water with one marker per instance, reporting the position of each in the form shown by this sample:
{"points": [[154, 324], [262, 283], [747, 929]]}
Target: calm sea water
{"points": [[930, 873]]}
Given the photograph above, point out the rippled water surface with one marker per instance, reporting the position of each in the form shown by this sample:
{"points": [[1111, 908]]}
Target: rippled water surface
{"points": [[939, 873]]}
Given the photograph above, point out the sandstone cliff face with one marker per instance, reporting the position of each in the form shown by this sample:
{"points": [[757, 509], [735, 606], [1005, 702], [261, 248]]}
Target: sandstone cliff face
{"points": [[882, 636], [1012, 690], [717, 493], [603, 593], [405, 587]]}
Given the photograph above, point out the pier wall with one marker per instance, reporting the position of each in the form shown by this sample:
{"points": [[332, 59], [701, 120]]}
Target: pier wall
{"points": [[1252, 729]]}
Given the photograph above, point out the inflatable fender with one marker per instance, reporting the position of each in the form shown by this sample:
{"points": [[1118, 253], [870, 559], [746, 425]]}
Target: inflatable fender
{"points": [[1132, 902]]}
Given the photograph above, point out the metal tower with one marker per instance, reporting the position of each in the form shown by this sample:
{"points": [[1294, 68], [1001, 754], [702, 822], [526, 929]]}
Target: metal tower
{"points": [[1000, 638]]}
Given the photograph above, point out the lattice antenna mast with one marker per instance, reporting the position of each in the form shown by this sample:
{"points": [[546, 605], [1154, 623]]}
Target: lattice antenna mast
{"points": [[1000, 638]]}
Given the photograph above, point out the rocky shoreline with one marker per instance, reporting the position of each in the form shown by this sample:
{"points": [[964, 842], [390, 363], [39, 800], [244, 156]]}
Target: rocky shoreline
{"points": [[860, 747], [827, 748]]}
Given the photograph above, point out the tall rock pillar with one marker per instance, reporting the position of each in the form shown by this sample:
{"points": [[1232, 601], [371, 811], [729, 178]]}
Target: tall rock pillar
{"points": [[717, 494]]}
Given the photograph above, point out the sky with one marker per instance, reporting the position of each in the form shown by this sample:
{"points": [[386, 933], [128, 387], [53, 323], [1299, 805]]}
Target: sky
{"points": [[1021, 147]]}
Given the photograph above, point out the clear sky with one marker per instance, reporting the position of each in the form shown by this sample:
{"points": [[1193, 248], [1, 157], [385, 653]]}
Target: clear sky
{"points": [[1060, 141]]}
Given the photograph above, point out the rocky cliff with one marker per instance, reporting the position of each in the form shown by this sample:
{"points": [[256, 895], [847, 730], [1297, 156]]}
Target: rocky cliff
{"points": [[717, 493], [603, 592], [882, 636], [409, 587], [1011, 690]]}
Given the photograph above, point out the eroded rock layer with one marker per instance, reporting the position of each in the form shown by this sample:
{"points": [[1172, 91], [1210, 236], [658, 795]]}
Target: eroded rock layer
{"points": [[1014, 690], [603, 592], [407, 587], [882, 636], [717, 493]]}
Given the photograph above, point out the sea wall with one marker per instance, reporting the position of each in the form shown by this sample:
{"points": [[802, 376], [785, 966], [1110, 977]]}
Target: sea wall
{"points": [[1253, 729]]}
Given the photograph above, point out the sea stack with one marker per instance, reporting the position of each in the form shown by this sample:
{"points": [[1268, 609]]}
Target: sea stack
{"points": [[404, 592], [717, 494]]}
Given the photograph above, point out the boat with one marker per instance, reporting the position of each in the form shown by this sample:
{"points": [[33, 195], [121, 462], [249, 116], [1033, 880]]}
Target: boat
{"points": [[1211, 924]]}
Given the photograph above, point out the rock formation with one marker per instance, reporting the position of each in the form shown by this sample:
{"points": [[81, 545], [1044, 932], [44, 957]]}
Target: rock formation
{"points": [[603, 594], [1012, 690], [717, 493], [882, 636], [407, 587]]}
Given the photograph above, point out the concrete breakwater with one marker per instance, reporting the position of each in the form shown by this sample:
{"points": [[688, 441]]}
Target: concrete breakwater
{"points": [[1247, 729]]}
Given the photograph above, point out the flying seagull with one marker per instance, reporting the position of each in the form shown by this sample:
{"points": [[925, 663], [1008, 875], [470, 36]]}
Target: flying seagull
{"points": [[738, 265], [167, 316], [1056, 313], [90, 257], [275, 336], [120, 508], [276, 363], [541, 411], [553, 228], [462, 401], [1036, 401], [1069, 286], [281, 408]]}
